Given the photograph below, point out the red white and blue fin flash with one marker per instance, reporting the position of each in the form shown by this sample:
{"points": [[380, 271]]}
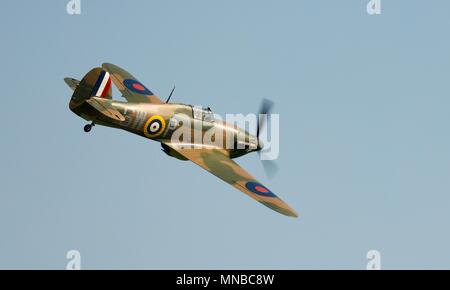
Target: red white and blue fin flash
{"points": [[102, 85]]}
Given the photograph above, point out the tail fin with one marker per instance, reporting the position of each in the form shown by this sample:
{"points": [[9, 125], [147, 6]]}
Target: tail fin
{"points": [[102, 87], [96, 83]]}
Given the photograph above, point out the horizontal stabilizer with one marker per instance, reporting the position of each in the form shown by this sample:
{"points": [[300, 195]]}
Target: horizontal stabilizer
{"points": [[105, 107], [72, 83]]}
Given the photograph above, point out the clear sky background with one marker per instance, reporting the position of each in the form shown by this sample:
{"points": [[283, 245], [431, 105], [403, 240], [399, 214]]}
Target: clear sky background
{"points": [[365, 147]]}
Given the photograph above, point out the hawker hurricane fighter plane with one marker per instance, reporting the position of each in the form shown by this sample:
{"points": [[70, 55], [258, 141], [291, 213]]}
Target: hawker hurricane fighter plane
{"points": [[146, 115]]}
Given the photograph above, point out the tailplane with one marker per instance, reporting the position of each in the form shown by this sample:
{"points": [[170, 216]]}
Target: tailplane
{"points": [[72, 83]]}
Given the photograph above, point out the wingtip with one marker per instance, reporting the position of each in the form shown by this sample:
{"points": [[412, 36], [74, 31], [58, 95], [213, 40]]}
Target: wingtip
{"points": [[285, 210], [293, 214]]}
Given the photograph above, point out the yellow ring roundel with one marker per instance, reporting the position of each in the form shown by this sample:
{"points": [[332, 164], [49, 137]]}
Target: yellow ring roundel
{"points": [[154, 126]]}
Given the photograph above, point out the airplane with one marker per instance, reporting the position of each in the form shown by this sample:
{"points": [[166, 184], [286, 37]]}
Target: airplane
{"points": [[148, 116]]}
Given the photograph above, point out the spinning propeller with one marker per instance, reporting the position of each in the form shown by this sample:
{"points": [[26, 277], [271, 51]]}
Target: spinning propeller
{"points": [[270, 166]]}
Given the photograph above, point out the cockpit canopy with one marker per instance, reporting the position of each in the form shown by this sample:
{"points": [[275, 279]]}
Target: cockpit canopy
{"points": [[203, 113]]}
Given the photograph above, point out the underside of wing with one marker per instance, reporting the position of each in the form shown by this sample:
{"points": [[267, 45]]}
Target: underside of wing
{"points": [[218, 163], [131, 89]]}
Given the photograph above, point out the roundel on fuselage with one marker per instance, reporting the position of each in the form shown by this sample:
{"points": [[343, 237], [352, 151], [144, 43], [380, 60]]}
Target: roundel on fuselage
{"points": [[154, 126]]}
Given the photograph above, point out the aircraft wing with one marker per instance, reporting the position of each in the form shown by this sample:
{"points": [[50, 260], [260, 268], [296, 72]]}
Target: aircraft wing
{"points": [[218, 163], [131, 89]]}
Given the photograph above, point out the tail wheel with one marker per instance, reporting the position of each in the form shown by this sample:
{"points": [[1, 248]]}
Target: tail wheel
{"points": [[88, 127]]}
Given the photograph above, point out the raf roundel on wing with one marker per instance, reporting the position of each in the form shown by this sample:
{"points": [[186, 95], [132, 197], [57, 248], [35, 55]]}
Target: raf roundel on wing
{"points": [[259, 189], [136, 87]]}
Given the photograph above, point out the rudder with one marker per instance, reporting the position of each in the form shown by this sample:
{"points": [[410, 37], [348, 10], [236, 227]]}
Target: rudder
{"points": [[96, 83]]}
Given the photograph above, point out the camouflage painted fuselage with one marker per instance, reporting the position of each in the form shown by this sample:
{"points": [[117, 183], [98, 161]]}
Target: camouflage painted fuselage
{"points": [[137, 116]]}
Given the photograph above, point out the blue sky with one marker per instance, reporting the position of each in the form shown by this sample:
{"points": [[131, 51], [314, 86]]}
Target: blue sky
{"points": [[364, 115]]}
